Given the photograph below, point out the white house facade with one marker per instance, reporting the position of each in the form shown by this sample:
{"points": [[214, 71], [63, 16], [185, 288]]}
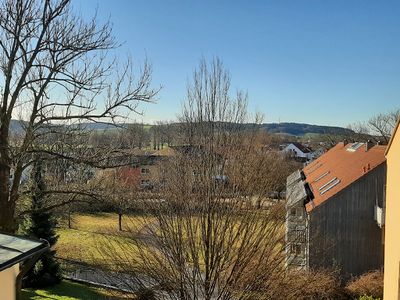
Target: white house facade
{"points": [[299, 151]]}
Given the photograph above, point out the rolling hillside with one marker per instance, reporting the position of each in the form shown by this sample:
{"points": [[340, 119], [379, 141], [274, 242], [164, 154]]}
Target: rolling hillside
{"points": [[296, 129], [299, 129]]}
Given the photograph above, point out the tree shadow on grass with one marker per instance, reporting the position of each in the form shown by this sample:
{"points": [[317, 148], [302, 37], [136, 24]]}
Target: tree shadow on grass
{"points": [[67, 290]]}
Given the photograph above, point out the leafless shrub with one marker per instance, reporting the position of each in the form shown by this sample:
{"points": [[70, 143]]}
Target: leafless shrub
{"points": [[315, 284], [299, 285], [207, 236], [368, 284]]}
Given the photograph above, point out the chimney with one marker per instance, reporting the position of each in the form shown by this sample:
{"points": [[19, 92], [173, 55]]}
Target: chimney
{"points": [[368, 145]]}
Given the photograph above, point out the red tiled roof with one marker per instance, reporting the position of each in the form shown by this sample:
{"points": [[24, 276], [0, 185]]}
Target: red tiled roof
{"points": [[339, 168]]}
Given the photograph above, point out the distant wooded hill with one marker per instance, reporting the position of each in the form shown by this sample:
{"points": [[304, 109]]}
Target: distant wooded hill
{"points": [[299, 129], [296, 129], [18, 126]]}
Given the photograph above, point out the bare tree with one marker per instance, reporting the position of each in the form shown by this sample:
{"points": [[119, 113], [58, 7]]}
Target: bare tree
{"points": [[205, 238], [165, 132], [378, 128], [382, 125], [156, 136], [57, 73], [133, 135], [137, 135], [117, 192]]}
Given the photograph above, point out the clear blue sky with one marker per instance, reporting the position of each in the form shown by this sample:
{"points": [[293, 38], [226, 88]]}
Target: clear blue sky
{"points": [[320, 62]]}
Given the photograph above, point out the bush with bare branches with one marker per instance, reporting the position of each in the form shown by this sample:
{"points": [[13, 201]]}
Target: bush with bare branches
{"points": [[212, 233], [205, 236], [315, 284], [368, 284]]}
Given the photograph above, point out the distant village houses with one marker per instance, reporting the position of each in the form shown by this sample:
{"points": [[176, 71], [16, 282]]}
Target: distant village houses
{"points": [[298, 151], [143, 171], [147, 172], [334, 210]]}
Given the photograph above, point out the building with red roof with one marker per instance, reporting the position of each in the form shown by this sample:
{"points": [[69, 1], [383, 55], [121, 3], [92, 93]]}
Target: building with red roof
{"points": [[333, 210]]}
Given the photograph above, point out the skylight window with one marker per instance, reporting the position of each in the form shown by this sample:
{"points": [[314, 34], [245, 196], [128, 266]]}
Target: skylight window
{"points": [[322, 176], [326, 184], [313, 164], [334, 183], [314, 168], [354, 147]]}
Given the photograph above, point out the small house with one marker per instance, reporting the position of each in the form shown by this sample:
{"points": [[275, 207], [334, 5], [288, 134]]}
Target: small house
{"points": [[298, 151]]}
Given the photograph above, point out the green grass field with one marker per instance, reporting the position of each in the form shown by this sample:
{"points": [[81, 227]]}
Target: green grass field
{"points": [[68, 290], [104, 222], [84, 241]]}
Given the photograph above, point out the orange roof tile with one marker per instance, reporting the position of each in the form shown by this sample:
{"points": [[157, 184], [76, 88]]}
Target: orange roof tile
{"points": [[340, 167]]}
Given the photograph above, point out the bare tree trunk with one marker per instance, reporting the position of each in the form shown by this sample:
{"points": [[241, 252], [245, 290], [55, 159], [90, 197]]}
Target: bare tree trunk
{"points": [[69, 218], [6, 206], [119, 221]]}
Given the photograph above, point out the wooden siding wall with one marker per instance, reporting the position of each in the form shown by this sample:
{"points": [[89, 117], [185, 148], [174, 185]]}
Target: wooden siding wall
{"points": [[343, 231]]}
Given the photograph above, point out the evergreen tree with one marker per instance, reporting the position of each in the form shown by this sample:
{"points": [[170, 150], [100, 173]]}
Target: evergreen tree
{"points": [[41, 225]]}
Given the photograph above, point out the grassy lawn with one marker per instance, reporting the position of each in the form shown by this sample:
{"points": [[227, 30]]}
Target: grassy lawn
{"points": [[104, 222], [68, 290], [91, 231], [82, 243], [95, 240]]}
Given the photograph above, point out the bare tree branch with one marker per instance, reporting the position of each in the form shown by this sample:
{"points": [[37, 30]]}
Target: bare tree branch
{"points": [[57, 71]]}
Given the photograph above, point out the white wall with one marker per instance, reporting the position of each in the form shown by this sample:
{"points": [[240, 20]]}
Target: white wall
{"points": [[293, 149]]}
